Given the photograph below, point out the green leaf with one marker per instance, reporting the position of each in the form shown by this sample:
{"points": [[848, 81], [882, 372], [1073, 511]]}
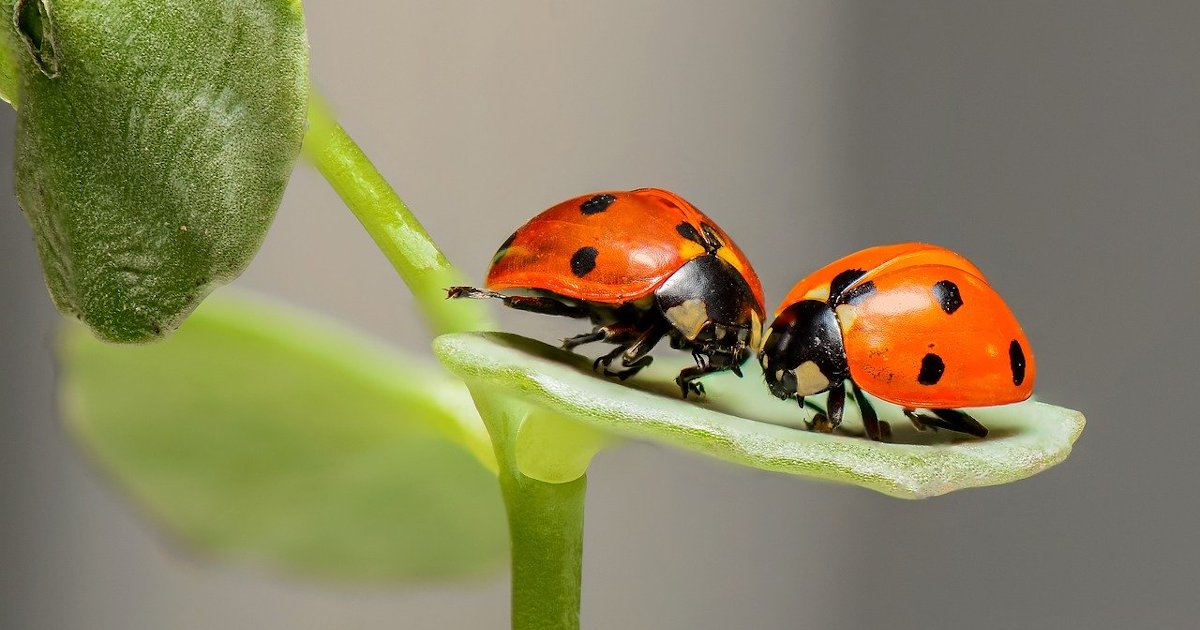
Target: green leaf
{"points": [[154, 141], [261, 436], [739, 421], [8, 63]]}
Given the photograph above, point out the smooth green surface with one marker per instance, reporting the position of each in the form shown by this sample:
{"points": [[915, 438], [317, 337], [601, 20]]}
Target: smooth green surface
{"points": [[545, 523], [154, 141], [8, 61], [272, 439], [397, 233], [740, 422], [554, 449]]}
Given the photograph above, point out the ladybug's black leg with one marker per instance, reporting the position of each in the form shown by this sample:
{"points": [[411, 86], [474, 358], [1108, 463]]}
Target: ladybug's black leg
{"points": [[687, 376], [633, 367], [621, 334], [605, 360], [637, 354], [949, 419], [956, 420], [835, 405], [687, 379], [570, 343], [869, 418], [634, 354], [543, 305], [916, 420]]}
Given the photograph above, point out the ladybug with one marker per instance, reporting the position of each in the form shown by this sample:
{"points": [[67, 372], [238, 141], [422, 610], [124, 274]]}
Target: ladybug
{"points": [[640, 265], [913, 324]]}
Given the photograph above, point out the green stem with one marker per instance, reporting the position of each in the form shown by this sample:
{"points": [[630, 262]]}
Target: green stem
{"points": [[545, 523], [545, 526], [545, 519], [397, 233]]}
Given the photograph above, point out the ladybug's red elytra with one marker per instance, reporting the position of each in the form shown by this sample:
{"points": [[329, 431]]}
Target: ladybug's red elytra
{"points": [[912, 324], [640, 265]]}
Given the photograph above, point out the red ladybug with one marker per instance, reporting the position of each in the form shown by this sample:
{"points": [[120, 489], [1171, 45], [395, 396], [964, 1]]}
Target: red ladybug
{"points": [[913, 324], [641, 265]]}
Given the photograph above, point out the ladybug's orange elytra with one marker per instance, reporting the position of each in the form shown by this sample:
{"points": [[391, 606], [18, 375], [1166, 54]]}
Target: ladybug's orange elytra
{"points": [[913, 324], [611, 248]]}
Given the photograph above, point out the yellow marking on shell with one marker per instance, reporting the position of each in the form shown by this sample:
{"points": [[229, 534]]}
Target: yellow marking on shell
{"points": [[810, 380], [689, 317], [728, 256], [690, 249], [845, 316], [819, 293], [756, 339], [517, 253]]}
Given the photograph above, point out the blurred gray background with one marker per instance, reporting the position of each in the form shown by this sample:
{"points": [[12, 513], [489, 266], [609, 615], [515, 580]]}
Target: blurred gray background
{"points": [[1055, 143]]}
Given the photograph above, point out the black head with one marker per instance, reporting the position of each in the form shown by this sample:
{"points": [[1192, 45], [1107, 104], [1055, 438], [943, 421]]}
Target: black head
{"points": [[713, 310], [803, 353]]}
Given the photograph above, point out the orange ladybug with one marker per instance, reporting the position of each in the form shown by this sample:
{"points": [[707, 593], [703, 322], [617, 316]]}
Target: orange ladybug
{"points": [[640, 265], [913, 324]]}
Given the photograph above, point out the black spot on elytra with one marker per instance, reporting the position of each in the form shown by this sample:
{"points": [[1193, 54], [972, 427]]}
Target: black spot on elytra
{"points": [[583, 261], [932, 368], [1016, 360], [597, 204], [946, 293], [853, 296], [689, 231], [841, 282], [504, 248]]}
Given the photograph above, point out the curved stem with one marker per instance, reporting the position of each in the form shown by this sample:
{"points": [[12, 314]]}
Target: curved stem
{"points": [[397, 233], [545, 519]]}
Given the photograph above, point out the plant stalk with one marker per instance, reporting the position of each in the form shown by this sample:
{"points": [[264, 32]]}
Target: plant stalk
{"points": [[397, 233], [545, 520], [545, 527], [545, 524]]}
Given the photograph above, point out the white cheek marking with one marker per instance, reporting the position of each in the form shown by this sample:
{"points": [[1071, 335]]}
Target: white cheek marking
{"points": [[689, 317], [810, 380]]}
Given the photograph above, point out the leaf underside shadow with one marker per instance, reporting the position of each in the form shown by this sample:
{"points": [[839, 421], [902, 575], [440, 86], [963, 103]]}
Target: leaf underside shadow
{"points": [[740, 422]]}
